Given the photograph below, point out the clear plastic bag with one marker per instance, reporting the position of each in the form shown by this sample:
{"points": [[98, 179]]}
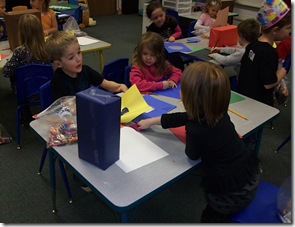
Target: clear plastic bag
{"points": [[61, 119], [281, 92], [284, 202], [71, 25]]}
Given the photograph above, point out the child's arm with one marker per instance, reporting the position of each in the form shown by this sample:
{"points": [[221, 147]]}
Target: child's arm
{"points": [[144, 81], [176, 34], [146, 123], [200, 23], [175, 74], [113, 86], [232, 59]]}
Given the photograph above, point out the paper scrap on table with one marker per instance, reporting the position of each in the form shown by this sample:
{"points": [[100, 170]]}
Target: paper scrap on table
{"points": [[86, 41], [133, 100], [136, 150]]}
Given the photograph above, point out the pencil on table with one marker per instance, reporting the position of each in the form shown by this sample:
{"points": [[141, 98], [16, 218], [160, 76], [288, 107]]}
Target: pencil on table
{"points": [[238, 114]]}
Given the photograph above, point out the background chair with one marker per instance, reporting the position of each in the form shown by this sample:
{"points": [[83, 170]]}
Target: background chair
{"points": [[46, 99], [18, 8], [126, 76], [29, 79], [263, 209], [115, 70], [191, 28], [283, 143]]}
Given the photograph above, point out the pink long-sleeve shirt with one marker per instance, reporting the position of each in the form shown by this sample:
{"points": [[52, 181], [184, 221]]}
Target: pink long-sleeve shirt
{"points": [[147, 80]]}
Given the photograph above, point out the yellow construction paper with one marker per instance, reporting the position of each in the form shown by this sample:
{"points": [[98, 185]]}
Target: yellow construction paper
{"points": [[133, 100]]}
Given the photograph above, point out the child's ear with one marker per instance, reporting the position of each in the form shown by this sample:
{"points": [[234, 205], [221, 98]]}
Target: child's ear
{"points": [[57, 64]]}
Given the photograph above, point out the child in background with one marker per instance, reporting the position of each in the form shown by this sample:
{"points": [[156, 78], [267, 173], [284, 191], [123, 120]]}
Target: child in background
{"points": [[231, 170], [150, 71], [71, 76], [259, 72], [207, 18], [48, 17], [31, 49], [162, 23], [2, 7], [167, 27], [248, 32]]}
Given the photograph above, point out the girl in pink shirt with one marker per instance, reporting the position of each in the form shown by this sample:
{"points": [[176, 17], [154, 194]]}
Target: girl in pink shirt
{"points": [[207, 18], [150, 71]]}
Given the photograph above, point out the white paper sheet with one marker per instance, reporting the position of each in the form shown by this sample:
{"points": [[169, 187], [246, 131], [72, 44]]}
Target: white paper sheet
{"points": [[136, 150], [86, 41]]}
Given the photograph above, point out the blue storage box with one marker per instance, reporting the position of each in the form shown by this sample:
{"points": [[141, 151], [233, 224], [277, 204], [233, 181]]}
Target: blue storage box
{"points": [[98, 122]]}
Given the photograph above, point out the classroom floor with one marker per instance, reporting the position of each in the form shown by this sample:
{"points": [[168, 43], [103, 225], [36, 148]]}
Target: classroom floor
{"points": [[25, 197]]}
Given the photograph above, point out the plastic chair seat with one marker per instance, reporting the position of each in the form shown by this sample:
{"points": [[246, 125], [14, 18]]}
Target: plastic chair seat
{"points": [[263, 209]]}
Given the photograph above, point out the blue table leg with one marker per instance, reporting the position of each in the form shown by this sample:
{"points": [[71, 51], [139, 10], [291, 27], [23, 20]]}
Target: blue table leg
{"points": [[124, 217], [52, 178], [258, 141]]}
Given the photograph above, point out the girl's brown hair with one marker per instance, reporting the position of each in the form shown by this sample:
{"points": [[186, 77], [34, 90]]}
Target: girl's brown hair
{"points": [[31, 36], [205, 92], [154, 43]]}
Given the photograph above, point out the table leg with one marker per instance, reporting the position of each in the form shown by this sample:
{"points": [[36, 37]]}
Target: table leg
{"points": [[258, 141], [52, 178], [124, 217], [101, 61]]}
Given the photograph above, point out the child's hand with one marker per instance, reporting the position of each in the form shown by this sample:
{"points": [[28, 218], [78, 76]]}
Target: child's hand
{"points": [[210, 55], [121, 88], [171, 39], [215, 50], [144, 124], [172, 83], [166, 85]]}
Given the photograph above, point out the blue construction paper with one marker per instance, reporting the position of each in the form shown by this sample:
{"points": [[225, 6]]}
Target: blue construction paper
{"points": [[193, 40], [171, 92], [160, 107], [176, 47]]}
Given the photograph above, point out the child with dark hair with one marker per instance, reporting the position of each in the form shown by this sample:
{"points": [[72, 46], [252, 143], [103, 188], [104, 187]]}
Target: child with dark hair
{"points": [[150, 71], [259, 73], [231, 170], [48, 17], [167, 27]]}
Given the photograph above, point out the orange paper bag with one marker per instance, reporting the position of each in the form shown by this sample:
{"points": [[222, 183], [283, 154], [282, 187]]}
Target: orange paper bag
{"points": [[223, 36]]}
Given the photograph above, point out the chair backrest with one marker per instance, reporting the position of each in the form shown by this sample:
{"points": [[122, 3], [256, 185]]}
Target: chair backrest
{"points": [[46, 97], [18, 8], [173, 13], [126, 78], [191, 28], [115, 70], [29, 78]]}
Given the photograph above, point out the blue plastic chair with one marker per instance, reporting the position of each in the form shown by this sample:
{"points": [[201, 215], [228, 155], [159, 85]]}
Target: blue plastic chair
{"points": [[173, 13], [126, 78], [46, 99], [115, 70], [191, 28], [29, 79], [263, 209]]}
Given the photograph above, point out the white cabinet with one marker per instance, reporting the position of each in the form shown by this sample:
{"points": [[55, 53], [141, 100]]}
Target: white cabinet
{"points": [[145, 20], [181, 6]]}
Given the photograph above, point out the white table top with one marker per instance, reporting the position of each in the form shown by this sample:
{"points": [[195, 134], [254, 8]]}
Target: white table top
{"points": [[121, 190]]}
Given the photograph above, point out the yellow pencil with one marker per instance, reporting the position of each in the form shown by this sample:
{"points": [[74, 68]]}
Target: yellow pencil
{"points": [[238, 114]]}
